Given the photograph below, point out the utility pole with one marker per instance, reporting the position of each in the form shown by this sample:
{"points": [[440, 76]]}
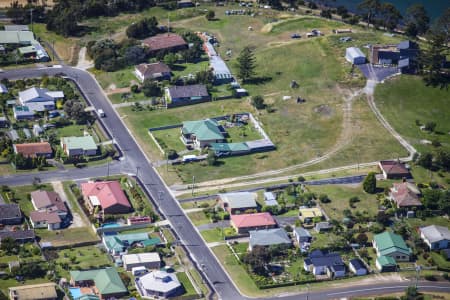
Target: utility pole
{"points": [[137, 174], [193, 184], [307, 291], [31, 18]]}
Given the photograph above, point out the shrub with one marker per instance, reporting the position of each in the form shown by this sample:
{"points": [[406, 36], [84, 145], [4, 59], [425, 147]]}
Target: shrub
{"points": [[324, 198]]}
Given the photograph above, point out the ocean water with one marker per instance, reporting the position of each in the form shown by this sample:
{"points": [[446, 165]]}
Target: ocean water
{"points": [[435, 8]]}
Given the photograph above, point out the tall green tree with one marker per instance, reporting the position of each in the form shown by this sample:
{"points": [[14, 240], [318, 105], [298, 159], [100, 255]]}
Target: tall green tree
{"points": [[370, 8], [370, 183], [390, 15], [417, 20], [246, 64]]}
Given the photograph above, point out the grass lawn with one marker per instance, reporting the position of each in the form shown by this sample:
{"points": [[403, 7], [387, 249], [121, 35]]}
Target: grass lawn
{"points": [[406, 99], [422, 175], [244, 133], [66, 236], [88, 257], [189, 289], [440, 261], [339, 195], [121, 79], [118, 98], [303, 25], [63, 46], [415, 222], [198, 218], [321, 240], [21, 196], [212, 235], [71, 197], [169, 139], [190, 68]]}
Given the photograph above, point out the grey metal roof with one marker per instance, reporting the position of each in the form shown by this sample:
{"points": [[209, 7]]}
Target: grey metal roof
{"points": [[435, 233], [354, 52], [195, 90], [320, 259], [268, 237], [17, 28], [3, 89], [357, 264], [9, 211], [34, 93], [239, 200], [302, 232]]}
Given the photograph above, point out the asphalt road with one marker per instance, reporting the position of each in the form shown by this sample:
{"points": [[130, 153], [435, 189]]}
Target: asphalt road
{"points": [[136, 160]]}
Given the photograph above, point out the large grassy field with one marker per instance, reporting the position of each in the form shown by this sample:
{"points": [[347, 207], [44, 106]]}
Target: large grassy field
{"points": [[406, 99]]}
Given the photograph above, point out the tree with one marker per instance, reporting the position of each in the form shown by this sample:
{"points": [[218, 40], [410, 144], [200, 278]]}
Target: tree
{"points": [[170, 59], [150, 88], [9, 245], [324, 198], [370, 183], [257, 259], [143, 28], [369, 8], [75, 111], [425, 160], [246, 64], [211, 158], [390, 15], [210, 15], [362, 238], [416, 20], [430, 126], [443, 159], [326, 13], [258, 102], [134, 55]]}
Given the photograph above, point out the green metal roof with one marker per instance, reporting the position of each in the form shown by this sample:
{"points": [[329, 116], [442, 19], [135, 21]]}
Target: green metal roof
{"points": [[151, 242], [88, 297], [204, 129], [388, 242], [16, 37], [106, 280], [116, 242], [386, 261], [27, 50], [79, 142], [229, 147]]}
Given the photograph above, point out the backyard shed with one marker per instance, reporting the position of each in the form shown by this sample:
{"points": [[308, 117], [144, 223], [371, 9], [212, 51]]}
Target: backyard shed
{"points": [[355, 56]]}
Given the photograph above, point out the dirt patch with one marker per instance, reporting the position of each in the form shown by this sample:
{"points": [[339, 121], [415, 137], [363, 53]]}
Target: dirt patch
{"points": [[324, 110]]}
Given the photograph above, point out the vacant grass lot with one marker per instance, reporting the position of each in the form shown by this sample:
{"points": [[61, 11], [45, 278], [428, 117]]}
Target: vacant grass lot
{"points": [[189, 290], [198, 218], [406, 99], [63, 46], [66, 236], [339, 195], [170, 139]]}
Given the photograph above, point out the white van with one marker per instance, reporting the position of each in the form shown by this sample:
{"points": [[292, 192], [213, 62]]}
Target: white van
{"points": [[101, 113]]}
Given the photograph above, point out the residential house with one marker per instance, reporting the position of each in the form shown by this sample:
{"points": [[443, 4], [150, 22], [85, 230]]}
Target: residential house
{"points": [[20, 236], [39, 99], [186, 94], [23, 113], [165, 42], [45, 219], [16, 37], [105, 283], [202, 133], [16, 28], [43, 291], [248, 222], [308, 214], [301, 235], [393, 245], [386, 264], [355, 56], [269, 237], [107, 196], [436, 237], [149, 260], [154, 71], [270, 199], [405, 195], [27, 133], [185, 3], [50, 202], [79, 145], [357, 267], [323, 227], [158, 284], [119, 243], [10, 214], [320, 263], [404, 55], [34, 149], [37, 130], [238, 202], [393, 169]]}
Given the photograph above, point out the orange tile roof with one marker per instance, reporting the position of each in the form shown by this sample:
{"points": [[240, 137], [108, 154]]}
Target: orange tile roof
{"points": [[32, 149], [253, 220]]}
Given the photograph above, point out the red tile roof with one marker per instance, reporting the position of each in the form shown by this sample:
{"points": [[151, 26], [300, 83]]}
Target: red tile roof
{"points": [[164, 41], [109, 193], [49, 217], [48, 200], [32, 149], [405, 194], [394, 167], [253, 220]]}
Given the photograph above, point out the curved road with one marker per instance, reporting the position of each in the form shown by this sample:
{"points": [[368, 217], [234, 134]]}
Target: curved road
{"points": [[135, 159]]}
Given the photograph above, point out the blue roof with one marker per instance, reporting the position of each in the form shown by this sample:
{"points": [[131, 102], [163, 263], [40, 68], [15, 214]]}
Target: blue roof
{"points": [[319, 258], [357, 264]]}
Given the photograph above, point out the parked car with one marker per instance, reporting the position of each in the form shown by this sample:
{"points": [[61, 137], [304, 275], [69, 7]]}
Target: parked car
{"points": [[295, 36]]}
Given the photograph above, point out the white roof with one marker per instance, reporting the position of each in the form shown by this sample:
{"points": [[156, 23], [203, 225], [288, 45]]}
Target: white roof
{"points": [[141, 258], [160, 281], [269, 196], [35, 93], [239, 199], [354, 52], [94, 200], [137, 269], [435, 233], [3, 88], [56, 94]]}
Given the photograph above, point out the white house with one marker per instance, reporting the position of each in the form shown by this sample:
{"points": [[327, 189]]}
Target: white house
{"points": [[158, 284], [149, 260], [436, 237], [354, 56], [39, 99]]}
